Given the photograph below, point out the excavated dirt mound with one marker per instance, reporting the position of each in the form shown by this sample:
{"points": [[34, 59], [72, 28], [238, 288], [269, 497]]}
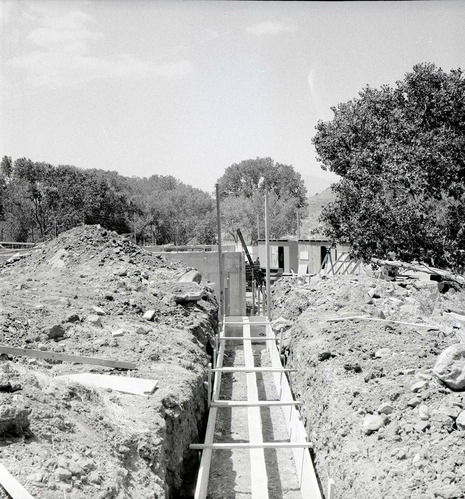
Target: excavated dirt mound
{"points": [[86, 293], [381, 423]]}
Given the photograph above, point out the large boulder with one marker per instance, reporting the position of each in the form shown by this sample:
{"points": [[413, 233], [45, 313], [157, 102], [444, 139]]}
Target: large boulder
{"points": [[450, 366]]}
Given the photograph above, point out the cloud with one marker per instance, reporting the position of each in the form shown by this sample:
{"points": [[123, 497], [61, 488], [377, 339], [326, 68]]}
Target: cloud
{"points": [[271, 28], [63, 57]]}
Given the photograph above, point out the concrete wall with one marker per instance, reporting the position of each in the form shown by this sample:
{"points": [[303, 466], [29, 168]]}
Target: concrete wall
{"points": [[207, 264]]}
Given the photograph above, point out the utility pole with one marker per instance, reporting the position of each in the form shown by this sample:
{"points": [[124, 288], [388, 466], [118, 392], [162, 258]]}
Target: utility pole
{"points": [[267, 261], [220, 254], [298, 224]]}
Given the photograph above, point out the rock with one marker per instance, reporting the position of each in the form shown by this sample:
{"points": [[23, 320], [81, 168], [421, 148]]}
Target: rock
{"points": [[414, 401], [281, 324], [447, 491], [382, 352], [149, 315], [118, 332], [63, 474], [142, 330], [55, 332], [450, 410], [191, 276], [353, 367], [441, 418], [14, 420], [460, 421], [424, 412], [422, 426], [35, 477], [324, 356], [419, 385], [385, 408], [121, 272], [450, 367], [372, 423], [98, 310], [73, 318], [94, 320]]}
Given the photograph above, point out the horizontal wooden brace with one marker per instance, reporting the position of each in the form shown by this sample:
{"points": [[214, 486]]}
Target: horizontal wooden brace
{"points": [[252, 338], [248, 445], [67, 358], [244, 369], [246, 323], [245, 403]]}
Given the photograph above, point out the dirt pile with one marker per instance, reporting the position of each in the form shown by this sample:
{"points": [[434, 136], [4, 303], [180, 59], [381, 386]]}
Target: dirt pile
{"points": [[382, 423], [93, 293]]}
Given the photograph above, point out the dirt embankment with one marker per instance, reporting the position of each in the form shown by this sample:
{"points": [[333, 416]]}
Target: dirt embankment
{"points": [[86, 293], [382, 424]]}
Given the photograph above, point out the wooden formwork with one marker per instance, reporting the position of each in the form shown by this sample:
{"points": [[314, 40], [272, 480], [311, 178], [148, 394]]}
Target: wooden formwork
{"points": [[297, 435]]}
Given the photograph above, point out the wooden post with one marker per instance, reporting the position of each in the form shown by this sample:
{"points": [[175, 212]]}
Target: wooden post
{"points": [[267, 260], [209, 395], [258, 300], [298, 224], [252, 312], [220, 255]]}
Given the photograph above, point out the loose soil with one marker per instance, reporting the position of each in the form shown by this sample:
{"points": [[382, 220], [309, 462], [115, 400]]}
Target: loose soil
{"points": [[85, 293], [349, 370]]}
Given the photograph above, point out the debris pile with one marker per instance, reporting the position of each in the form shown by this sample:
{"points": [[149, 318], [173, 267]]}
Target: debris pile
{"points": [[381, 373], [95, 295]]}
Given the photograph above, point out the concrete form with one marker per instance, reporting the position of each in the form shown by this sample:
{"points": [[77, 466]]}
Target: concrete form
{"points": [[297, 435], [207, 264]]}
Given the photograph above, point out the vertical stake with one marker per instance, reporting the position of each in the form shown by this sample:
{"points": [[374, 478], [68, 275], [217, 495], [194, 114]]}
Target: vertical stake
{"points": [[330, 494], [209, 384], [267, 260], [220, 254]]}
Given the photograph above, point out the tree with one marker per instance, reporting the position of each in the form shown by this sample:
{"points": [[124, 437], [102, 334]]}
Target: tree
{"points": [[242, 189], [401, 155]]}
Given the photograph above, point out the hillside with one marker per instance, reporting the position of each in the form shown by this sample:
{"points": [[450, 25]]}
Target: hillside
{"points": [[315, 207]]}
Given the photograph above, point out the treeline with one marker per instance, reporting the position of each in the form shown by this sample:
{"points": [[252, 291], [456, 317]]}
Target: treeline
{"points": [[39, 200]]}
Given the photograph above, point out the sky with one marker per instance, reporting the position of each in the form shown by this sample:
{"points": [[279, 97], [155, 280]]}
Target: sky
{"points": [[188, 88]]}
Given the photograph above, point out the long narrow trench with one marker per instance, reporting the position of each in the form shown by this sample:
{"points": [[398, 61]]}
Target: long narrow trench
{"points": [[230, 470]]}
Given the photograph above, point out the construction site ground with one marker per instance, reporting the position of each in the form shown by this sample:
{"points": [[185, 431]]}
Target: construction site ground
{"points": [[86, 293], [381, 422]]}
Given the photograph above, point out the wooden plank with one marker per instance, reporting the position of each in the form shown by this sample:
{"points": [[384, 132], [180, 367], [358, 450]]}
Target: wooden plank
{"points": [[258, 403], [253, 338], [250, 445], [308, 481], [125, 384], [12, 486], [241, 323], [201, 488], [244, 369], [66, 358], [254, 419], [360, 318]]}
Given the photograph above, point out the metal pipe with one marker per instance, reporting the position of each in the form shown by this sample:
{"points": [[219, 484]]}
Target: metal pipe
{"points": [[220, 255], [267, 261]]}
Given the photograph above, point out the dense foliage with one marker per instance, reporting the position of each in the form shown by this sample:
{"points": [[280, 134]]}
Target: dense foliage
{"points": [[38, 200], [401, 155], [242, 190]]}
